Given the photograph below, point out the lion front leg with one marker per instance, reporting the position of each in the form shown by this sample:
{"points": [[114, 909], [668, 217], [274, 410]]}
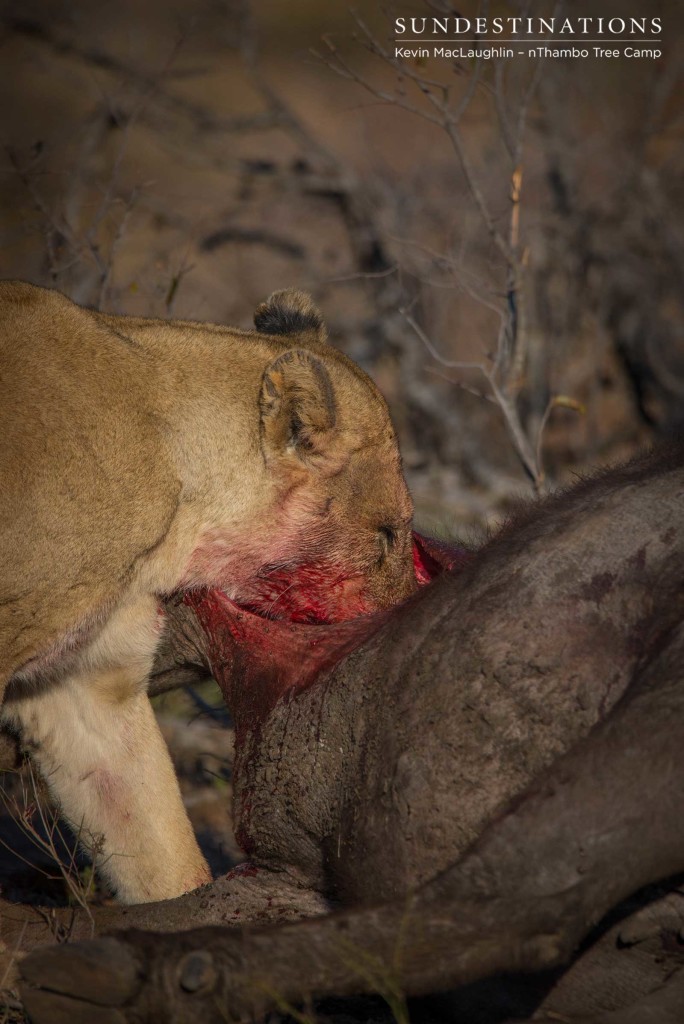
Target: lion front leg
{"points": [[96, 741]]}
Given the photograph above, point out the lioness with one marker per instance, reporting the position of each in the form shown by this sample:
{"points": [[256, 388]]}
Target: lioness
{"points": [[143, 456]]}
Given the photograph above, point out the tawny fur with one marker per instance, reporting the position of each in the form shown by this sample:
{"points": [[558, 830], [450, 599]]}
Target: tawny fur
{"points": [[142, 456]]}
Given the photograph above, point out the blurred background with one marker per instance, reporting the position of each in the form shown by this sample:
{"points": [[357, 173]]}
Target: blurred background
{"points": [[521, 217]]}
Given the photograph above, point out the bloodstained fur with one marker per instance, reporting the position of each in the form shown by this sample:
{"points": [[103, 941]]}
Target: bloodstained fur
{"points": [[258, 660]]}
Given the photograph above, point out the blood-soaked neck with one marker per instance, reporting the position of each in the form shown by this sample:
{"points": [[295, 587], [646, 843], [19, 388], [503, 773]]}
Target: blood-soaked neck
{"points": [[256, 660]]}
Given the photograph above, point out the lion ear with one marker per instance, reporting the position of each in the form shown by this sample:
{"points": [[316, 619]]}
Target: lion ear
{"points": [[291, 312], [297, 407]]}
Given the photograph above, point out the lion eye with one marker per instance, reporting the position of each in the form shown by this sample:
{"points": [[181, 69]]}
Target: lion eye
{"points": [[388, 538]]}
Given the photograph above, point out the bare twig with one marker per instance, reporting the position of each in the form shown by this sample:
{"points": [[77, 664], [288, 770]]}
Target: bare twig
{"points": [[506, 373], [520, 442], [48, 837]]}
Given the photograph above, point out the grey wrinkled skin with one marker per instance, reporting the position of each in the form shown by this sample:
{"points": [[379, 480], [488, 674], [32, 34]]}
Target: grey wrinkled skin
{"points": [[479, 783]]}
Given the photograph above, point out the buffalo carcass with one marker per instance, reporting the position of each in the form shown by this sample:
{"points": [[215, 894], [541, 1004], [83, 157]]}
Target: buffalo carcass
{"points": [[485, 773]]}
